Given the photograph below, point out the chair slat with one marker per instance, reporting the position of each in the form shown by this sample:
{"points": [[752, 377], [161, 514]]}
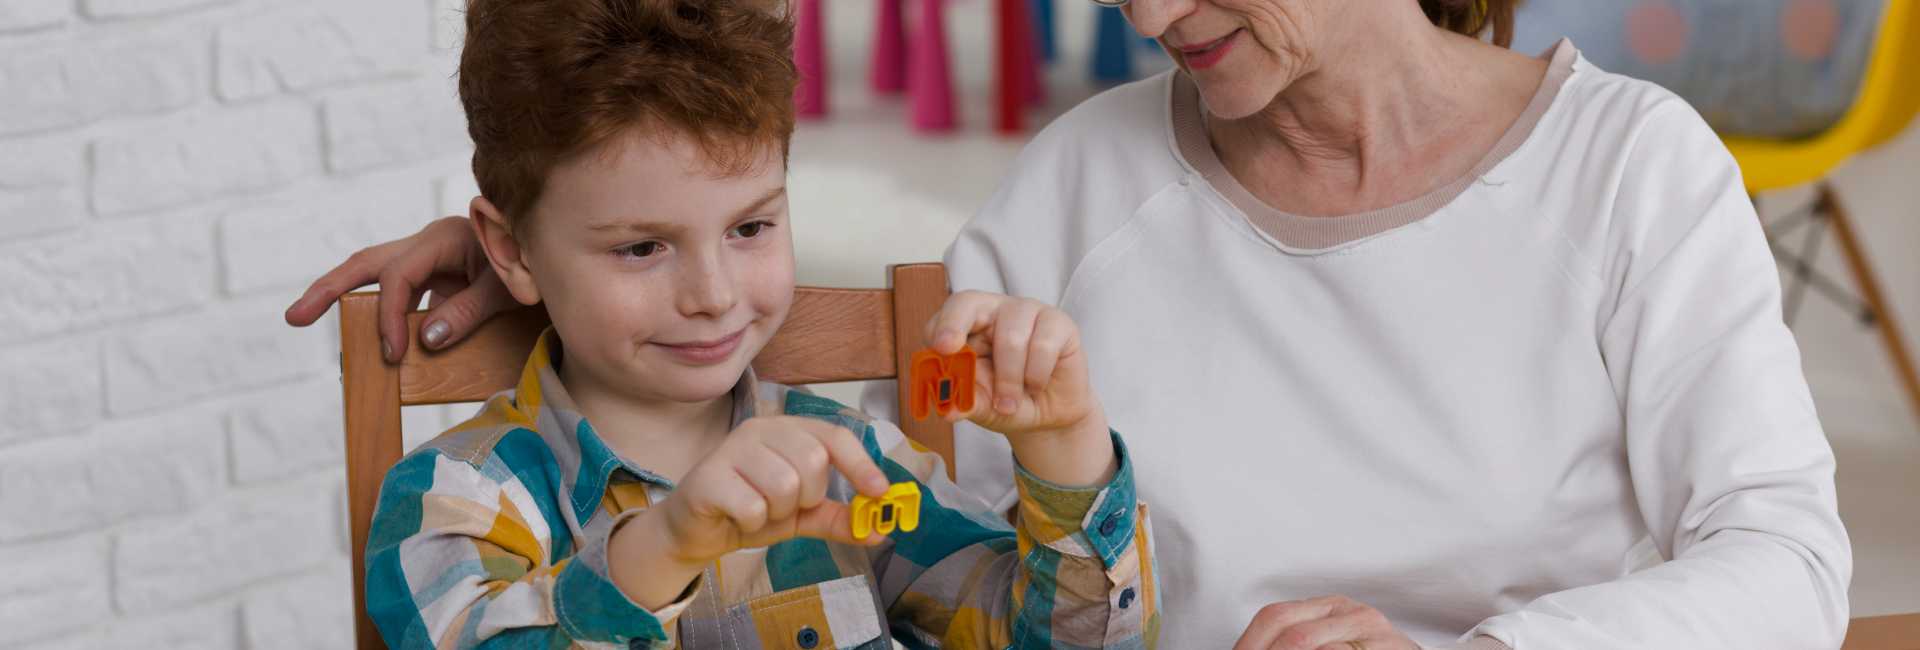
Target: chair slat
{"points": [[830, 335]]}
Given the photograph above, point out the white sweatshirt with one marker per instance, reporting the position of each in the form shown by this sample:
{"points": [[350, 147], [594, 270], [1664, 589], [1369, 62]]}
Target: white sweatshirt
{"points": [[1552, 403]]}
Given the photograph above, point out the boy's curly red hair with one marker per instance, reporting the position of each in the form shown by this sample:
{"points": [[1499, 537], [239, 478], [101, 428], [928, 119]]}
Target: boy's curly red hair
{"points": [[543, 80]]}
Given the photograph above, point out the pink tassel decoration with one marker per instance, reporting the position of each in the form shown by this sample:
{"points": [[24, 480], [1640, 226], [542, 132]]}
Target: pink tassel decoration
{"points": [[889, 71], [810, 58], [927, 77]]}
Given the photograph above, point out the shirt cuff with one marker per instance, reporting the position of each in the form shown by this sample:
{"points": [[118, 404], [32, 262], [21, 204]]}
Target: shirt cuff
{"points": [[591, 608], [1090, 521]]}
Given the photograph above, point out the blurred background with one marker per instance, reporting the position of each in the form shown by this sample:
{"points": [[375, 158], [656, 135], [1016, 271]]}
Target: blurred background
{"points": [[173, 172]]}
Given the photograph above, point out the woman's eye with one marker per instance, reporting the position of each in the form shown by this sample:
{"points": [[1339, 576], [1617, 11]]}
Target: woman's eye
{"points": [[751, 230], [642, 249]]}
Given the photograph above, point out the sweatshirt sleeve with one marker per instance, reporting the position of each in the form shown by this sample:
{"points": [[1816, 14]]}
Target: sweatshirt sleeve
{"points": [[1728, 463]]}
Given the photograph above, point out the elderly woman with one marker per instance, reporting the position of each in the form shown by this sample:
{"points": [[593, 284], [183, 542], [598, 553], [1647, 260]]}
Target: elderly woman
{"points": [[1422, 341]]}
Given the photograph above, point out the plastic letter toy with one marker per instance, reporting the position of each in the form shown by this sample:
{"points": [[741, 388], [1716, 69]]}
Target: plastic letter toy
{"points": [[942, 383], [899, 507]]}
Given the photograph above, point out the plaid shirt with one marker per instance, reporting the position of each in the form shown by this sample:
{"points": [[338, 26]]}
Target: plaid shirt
{"points": [[495, 534]]}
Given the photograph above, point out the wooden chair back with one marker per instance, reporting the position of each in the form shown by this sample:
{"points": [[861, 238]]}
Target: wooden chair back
{"points": [[830, 335]]}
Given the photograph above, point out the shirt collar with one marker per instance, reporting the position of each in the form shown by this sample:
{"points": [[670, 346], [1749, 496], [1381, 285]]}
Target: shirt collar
{"points": [[586, 462]]}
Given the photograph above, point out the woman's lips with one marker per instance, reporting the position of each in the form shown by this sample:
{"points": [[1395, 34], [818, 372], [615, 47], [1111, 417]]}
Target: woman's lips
{"points": [[705, 352], [1206, 55]]}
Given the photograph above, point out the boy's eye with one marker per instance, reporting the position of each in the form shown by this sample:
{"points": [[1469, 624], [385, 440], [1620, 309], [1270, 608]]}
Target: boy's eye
{"points": [[751, 230], [642, 249]]}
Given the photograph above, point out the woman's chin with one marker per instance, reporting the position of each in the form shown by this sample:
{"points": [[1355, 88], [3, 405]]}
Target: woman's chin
{"points": [[1228, 101]]}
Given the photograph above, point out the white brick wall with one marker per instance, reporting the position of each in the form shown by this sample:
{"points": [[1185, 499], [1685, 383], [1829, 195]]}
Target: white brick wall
{"points": [[172, 173]]}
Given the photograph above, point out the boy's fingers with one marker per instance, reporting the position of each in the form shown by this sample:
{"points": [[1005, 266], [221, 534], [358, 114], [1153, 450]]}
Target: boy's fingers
{"points": [[848, 456], [809, 457], [1012, 331], [831, 521], [1052, 335], [464, 311], [773, 477], [741, 502], [964, 313], [982, 412]]}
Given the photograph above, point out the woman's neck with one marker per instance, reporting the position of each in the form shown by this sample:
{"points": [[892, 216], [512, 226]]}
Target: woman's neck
{"points": [[1400, 109], [664, 436]]}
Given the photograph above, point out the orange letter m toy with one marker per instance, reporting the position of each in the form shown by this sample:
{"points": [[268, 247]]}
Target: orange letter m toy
{"points": [[941, 383]]}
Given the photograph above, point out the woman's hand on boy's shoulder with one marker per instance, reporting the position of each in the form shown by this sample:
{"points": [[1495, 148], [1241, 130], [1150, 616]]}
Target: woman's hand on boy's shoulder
{"points": [[1030, 383], [444, 258]]}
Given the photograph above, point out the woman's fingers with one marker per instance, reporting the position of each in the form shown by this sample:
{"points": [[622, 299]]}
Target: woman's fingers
{"points": [[1324, 632], [401, 284], [359, 270], [1328, 622], [463, 312], [1272, 620]]}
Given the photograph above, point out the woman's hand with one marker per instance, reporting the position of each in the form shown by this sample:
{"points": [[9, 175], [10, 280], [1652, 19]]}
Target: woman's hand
{"points": [[1030, 383], [1324, 623], [443, 258]]}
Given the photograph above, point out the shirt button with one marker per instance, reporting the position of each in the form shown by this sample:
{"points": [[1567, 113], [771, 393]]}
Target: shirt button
{"points": [[1126, 598], [1107, 526], [807, 638], [641, 644]]}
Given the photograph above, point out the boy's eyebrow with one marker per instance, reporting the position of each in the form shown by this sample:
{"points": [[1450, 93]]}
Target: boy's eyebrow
{"points": [[669, 228], [765, 199]]}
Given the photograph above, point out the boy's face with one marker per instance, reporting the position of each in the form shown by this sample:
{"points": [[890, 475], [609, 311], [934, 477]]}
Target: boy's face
{"points": [[663, 277]]}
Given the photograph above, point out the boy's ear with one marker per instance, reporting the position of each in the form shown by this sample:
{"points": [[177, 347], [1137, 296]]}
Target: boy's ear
{"points": [[503, 250]]}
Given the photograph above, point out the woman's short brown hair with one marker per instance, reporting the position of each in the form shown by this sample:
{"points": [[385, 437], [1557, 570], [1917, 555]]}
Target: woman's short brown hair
{"points": [[542, 80], [1474, 17]]}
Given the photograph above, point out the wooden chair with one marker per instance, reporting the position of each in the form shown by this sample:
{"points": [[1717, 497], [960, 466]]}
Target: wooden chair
{"points": [[829, 335]]}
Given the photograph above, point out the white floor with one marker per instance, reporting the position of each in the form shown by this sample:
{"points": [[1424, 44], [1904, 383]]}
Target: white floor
{"points": [[868, 192]]}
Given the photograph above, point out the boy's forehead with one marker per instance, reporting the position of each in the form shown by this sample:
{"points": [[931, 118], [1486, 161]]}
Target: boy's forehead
{"points": [[657, 177]]}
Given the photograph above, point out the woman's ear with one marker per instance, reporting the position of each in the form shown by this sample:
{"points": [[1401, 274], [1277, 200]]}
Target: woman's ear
{"points": [[504, 250]]}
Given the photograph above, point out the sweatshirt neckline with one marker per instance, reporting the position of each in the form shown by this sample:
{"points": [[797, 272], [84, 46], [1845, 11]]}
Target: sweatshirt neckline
{"points": [[1319, 233]]}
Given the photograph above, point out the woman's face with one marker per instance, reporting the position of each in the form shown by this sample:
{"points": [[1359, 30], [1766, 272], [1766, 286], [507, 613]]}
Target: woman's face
{"points": [[1241, 53]]}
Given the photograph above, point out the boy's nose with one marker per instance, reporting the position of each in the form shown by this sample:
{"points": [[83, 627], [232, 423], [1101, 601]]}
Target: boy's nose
{"points": [[706, 290]]}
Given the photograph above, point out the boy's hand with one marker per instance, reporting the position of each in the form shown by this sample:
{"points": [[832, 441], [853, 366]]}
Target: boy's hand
{"points": [[767, 483], [1030, 383]]}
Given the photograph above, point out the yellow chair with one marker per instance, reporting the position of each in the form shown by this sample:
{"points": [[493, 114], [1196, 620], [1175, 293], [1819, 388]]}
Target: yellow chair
{"points": [[1888, 99]]}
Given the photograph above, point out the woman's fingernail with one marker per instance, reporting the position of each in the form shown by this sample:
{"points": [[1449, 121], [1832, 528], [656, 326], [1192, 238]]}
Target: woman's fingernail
{"points": [[386, 351], [1004, 405], [436, 332]]}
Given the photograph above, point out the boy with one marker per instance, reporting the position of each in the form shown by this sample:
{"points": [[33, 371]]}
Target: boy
{"points": [[640, 487]]}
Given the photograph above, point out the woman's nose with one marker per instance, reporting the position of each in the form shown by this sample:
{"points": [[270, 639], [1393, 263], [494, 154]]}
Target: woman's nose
{"points": [[1151, 18]]}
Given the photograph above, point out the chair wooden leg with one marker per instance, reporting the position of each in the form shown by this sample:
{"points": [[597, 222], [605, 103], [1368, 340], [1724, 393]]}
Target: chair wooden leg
{"points": [[373, 438], [1864, 278]]}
